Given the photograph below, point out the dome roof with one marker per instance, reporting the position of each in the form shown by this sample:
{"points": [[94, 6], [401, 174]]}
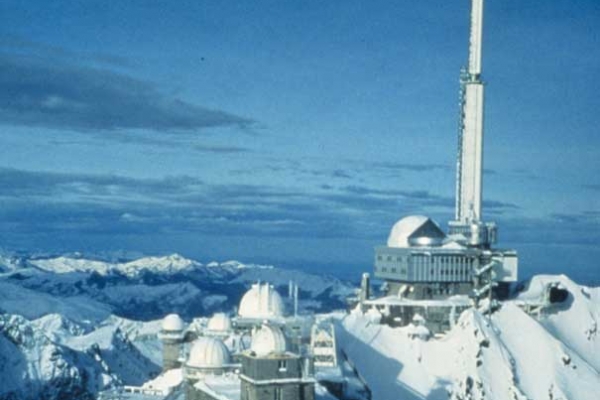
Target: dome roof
{"points": [[173, 322], [207, 352], [219, 322], [415, 230], [268, 339], [261, 302]]}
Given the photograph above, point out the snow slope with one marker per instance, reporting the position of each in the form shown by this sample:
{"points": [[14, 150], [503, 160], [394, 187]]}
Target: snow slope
{"points": [[511, 356], [576, 322], [16, 299], [53, 357]]}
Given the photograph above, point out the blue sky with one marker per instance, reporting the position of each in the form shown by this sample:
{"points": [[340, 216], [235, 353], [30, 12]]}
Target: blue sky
{"points": [[292, 132]]}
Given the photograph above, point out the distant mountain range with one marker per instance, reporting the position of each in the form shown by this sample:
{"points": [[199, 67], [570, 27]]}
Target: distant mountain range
{"points": [[151, 287]]}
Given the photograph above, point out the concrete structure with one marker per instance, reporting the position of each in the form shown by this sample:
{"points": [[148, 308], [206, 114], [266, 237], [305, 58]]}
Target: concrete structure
{"points": [[420, 261], [172, 338], [269, 371]]}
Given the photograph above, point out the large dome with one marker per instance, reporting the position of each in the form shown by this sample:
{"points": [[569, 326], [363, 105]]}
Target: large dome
{"points": [[415, 230], [261, 302], [268, 339], [172, 323], [208, 353], [219, 322]]}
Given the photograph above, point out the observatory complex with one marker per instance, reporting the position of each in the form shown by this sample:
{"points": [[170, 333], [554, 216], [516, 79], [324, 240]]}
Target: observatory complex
{"points": [[261, 353], [430, 276], [421, 262]]}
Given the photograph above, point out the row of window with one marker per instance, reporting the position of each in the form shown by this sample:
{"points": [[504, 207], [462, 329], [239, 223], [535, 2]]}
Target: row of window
{"points": [[427, 259], [391, 258], [433, 273], [392, 270]]}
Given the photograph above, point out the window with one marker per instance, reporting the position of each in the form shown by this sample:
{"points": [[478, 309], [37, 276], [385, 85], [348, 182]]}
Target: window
{"points": [[277, 394], [282, 364], [389, 258]]}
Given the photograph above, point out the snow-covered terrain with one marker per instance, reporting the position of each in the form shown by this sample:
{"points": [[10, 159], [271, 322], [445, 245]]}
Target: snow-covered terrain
{"points": [[54, 357], [512, 355], [63, 333], [150, 287]]}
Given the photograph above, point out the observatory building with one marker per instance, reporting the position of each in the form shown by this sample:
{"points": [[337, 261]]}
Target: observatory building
{"points": [[262, 353], [261, 302], [422, 262], [172, 336]]}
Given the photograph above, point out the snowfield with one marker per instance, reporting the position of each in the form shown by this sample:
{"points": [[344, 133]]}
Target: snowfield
{"points": [[511, 355]]}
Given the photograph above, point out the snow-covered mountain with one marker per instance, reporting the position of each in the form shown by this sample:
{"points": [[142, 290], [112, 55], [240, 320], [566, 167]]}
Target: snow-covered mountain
{"points": [[163, 265], [512, 355], [150, 287], [56, 358]]}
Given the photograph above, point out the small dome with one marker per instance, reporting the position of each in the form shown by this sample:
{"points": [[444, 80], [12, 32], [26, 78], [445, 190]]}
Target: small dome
{"points": [[219, 322], [261, 302], [415, 230], [208, 353], [268, 339], [173, 323]]}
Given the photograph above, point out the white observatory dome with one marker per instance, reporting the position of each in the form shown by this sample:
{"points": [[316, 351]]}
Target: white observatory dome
{"points": [[209, 353], [172, 323], [261, 302], [219, 322], [268, 339], [415, 230]]}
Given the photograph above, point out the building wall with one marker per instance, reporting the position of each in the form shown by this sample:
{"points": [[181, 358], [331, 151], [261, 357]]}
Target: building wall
{"points": [[424, 265], [171, 352], [298, 391], [270, 368], [266, 371]]}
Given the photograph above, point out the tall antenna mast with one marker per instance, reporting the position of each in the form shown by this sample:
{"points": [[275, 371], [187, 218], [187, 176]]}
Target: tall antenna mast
{"points": [[470, 165]]}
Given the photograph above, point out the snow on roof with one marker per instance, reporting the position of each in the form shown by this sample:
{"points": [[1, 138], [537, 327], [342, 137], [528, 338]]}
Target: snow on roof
{"points": [[458, 300], [166, 381], [220, 387]]}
